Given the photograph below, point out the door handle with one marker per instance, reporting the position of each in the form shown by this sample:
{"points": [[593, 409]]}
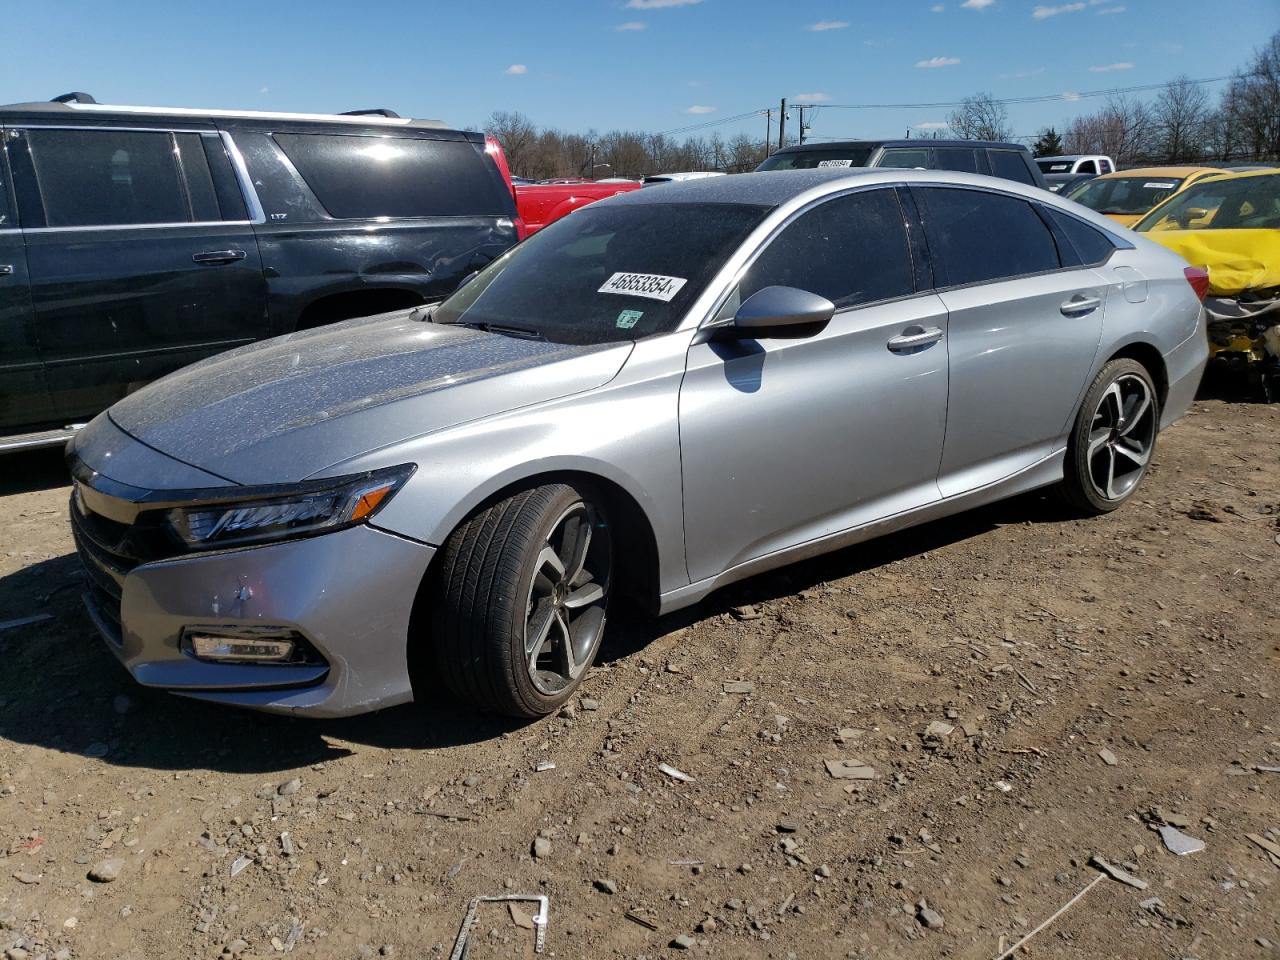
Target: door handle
{"points": [[910, 341], [1079, 305], [218, 256], [6, 269]]}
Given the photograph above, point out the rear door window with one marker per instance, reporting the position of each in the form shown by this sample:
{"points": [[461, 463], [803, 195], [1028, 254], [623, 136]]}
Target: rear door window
{"points": [[107, 177], [363, 177], [1010, 165], [951, 158], [1087, 166], [976, 236], [851, 250], [905, 158]]}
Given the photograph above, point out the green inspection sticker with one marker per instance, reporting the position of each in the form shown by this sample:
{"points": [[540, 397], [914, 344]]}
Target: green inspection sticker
{"points": [[629, 318]]}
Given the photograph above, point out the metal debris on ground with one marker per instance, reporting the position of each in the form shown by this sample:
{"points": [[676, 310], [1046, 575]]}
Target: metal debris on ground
{"points": [[1056, 914], [238, 865], [23, 621], [636, 918], [675, 774], [1177, 842], [543, 766], [1115, 873], [461, 946]]}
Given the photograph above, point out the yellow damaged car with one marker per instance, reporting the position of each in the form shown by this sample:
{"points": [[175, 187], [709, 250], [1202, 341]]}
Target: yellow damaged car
{"points": [[1127, 195], [1230, 226]]}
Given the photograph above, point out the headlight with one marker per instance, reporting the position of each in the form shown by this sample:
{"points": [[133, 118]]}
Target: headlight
{"points": [[278, 513]]}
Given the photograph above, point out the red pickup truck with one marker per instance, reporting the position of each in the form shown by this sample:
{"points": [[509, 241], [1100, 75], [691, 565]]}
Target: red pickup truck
{"points": [[543, 203]]}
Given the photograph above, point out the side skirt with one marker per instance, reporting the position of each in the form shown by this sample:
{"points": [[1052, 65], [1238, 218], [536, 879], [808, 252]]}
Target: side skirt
{"points": [[1040, 474]]}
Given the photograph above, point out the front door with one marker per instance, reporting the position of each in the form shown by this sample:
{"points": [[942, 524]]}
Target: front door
{"points": [[24, 399], [140, 253], [1022, 336], [788, 441]]}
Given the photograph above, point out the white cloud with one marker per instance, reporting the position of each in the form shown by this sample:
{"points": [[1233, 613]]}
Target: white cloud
{"points": [[823, 25], [1044, 13], [659, 4], [699, 108], [516, 69], [1111, 68], [631, 25], [264, 89], [932, 125], [938, 8], [977, 4], [933, 62], [809, 98], [1070, 95], [1106, 10]]}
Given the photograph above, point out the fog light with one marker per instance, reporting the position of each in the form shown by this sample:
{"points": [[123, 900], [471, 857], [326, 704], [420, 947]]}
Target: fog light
{"points": [[275, 648]]}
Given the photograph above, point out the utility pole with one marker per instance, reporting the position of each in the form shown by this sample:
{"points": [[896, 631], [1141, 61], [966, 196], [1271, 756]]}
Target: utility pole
{"points": [[782, 124], [768, 132], [802, 124]]}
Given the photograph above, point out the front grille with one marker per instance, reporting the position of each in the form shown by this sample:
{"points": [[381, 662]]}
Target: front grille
{"points": [[109, 550]]}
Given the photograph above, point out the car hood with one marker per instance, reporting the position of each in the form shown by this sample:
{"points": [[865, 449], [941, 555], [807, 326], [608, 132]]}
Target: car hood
{"points": [[1237, 260], [283, 410]]}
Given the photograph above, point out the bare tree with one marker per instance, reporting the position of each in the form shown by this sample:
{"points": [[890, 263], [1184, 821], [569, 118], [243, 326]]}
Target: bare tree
{"points": [[518, 136], [1252, 103], [1122, 129], [981, 117], [1181, 115]]}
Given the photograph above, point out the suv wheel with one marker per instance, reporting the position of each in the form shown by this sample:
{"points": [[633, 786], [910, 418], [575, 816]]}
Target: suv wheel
{"points": [[1114, 436], [519, 604]]}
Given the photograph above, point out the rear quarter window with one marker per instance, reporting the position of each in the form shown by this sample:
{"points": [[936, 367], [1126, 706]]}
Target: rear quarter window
{"points": [[1010, 165], [1090, 244], [362, 177]]}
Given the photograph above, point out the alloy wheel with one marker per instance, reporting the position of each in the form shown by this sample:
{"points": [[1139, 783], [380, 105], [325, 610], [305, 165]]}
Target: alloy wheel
{"points": [[1121, 437], [568, 597]]}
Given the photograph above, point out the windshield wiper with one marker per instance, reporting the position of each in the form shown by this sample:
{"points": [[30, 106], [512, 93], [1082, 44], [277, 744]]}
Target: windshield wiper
{"points": [[502, 329]]}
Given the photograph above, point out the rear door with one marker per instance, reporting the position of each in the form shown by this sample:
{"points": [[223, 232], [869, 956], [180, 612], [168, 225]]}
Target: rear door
{"points": [[24, 399], [1023, 331], [141, 255]]}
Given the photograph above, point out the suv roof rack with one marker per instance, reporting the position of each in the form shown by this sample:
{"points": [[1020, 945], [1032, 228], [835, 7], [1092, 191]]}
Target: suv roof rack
{"points": [[373, 112], [81, 102], [75, 96]]}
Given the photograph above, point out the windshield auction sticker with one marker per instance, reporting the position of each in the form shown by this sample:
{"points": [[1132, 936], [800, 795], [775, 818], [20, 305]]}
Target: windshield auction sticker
{"points": [[651, 285], [834, 163]]}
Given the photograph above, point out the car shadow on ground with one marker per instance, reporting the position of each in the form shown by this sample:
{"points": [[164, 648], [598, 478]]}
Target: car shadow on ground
{"points": [[63, 690], [33, 470]]}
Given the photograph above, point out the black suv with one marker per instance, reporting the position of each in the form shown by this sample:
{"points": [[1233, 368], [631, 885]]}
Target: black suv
{"points": [[1011, 161], [135, 240]]}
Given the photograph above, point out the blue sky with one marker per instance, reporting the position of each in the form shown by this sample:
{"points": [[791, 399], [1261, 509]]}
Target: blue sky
{"points": [[655, 65]]}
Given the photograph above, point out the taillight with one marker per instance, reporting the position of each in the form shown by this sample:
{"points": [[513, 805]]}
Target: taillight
{"points": [[521, 230], [1198, 277], [494, 149]]}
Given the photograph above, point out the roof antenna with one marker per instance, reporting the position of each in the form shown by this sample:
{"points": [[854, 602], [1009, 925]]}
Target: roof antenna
{"points": [[75, 96]]}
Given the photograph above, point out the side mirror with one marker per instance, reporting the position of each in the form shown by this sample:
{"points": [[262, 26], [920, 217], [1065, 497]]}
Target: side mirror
{"points": [[784, 312]]}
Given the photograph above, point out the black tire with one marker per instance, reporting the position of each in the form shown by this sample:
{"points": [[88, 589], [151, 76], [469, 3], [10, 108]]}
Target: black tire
{"points": [[1080, 487], [492, 581]]}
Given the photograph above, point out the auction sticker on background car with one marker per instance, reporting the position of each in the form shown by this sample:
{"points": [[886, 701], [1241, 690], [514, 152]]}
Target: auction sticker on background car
{"points": [[651, 285]]}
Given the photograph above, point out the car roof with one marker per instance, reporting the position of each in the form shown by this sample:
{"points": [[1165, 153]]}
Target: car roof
{"points": [[101, 111], [1076, 156], [774, 188], [1165, 171], [858, 144]]}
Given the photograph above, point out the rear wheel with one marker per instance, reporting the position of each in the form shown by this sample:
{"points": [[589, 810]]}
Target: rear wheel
{"points": [[520, 602], [1114, 436]]}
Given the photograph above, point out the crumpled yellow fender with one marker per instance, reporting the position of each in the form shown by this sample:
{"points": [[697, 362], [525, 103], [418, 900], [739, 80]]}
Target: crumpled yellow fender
{"points": [[1237, 260]]}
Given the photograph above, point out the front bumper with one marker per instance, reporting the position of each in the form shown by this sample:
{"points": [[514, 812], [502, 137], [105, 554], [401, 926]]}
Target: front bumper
{"points": [[349, 593]]}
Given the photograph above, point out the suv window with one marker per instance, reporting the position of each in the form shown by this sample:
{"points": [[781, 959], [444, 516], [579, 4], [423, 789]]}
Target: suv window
{"points": [[92, 178], [361, 177], [904, 158], [1086, 166], [851, 250], [976, 236], [953, 158], [1106, 166], [1010, 165], [1092, 245]]}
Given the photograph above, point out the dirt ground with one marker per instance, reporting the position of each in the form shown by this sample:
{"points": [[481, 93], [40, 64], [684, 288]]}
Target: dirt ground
{"points": [[1086, 681]]}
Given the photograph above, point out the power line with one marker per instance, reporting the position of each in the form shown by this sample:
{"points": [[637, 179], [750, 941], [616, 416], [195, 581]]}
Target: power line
{"points": [[1070, 96], [713, 123]]}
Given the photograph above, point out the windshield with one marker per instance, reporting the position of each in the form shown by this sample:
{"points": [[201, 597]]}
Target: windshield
{"points": [[604, 273], [1127, 196], [1231, 203], [808, 159]]}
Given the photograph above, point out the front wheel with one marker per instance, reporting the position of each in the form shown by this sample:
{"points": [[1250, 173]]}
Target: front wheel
{"points": [[519, 603], [1114, 436]]}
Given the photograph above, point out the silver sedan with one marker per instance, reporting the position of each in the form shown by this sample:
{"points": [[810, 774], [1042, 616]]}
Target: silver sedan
{"points": [[666, 392]]}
